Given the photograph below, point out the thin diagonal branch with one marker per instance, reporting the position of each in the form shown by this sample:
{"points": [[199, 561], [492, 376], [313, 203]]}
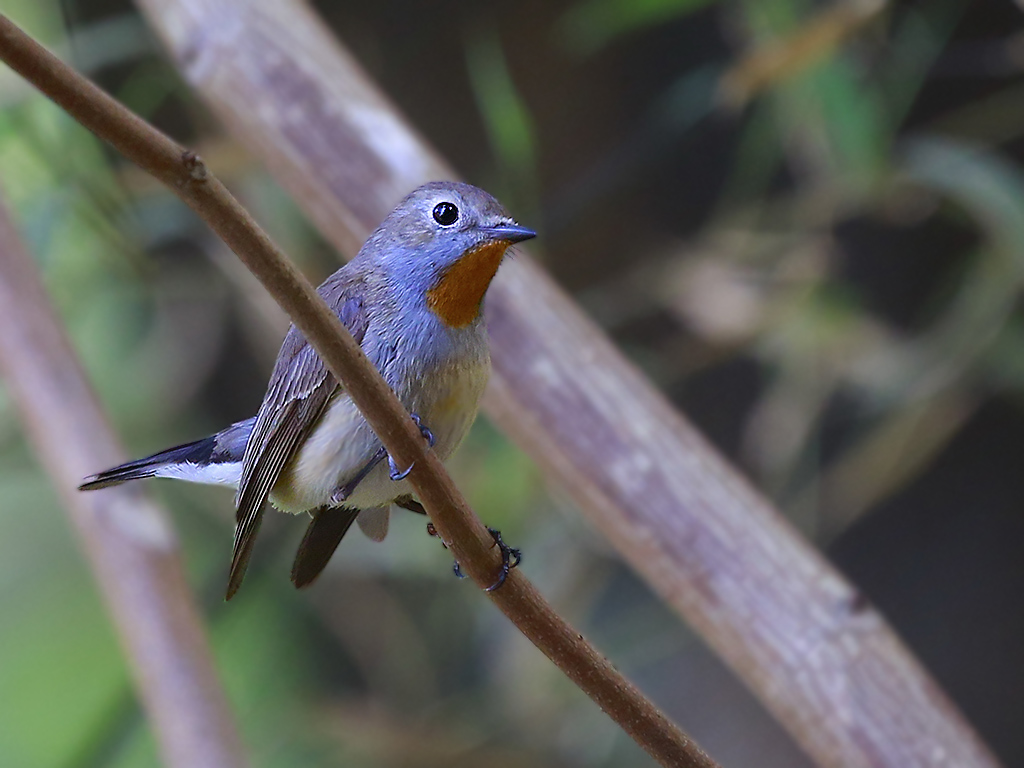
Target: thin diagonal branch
{"points": [[469, 540], [820, 658], [129, 543]]}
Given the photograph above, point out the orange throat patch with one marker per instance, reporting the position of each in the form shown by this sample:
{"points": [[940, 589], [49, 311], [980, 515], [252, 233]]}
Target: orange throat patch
{"points": [[458, 294]]}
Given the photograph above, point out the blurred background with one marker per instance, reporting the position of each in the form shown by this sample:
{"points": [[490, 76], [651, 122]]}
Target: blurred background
{"points": [[804, 221]]}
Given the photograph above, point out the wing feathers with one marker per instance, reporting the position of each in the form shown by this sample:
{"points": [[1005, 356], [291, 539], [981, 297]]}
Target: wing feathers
{"points": [[294, 422], [299, 388], [326, 530]]}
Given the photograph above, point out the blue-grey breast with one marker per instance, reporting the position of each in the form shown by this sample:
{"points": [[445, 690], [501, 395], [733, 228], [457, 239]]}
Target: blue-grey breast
{"points": [[412, 298]]}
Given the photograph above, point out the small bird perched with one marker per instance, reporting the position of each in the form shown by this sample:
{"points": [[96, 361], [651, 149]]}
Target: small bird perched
{"points": [[412, 299]]}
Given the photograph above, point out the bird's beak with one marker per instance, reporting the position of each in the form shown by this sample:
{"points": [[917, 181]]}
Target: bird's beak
{"points": [[513, 233]]}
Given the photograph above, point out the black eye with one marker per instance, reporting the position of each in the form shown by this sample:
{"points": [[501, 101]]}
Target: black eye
{"points": [[446, 214]]}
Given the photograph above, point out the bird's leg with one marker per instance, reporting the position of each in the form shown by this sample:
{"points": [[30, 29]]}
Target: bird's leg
{"points": [[510, 556], [340, 494], [394, 472]]}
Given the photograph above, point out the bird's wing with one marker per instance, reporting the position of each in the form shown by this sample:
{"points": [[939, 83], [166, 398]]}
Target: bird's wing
{"points": [[325, 532], [299, 388]]}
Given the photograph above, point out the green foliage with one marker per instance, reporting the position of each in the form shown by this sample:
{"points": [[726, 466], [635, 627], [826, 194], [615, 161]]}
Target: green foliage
{"points": [[506, 117], [593, 24]]}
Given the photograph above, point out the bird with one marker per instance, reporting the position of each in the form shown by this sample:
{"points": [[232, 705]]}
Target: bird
{"points": [[412, 298]]}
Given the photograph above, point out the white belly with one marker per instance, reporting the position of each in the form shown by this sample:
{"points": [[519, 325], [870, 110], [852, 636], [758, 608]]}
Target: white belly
{"points": [[342, 443]]}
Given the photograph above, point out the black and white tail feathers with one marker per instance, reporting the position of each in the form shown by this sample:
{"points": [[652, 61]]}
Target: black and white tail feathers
{"points": [[215, 459], [218, 459]]}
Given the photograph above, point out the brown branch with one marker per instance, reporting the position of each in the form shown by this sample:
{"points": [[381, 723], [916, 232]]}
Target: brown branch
{"points": [[188, 177], [822, 661], [129, 543]]}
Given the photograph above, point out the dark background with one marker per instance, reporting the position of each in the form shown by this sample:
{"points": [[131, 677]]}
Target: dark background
{"points": [[824, 278]]}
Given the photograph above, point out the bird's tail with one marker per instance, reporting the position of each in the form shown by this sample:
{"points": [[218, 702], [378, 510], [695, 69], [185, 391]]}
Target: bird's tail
{"points": [[215, 459]]}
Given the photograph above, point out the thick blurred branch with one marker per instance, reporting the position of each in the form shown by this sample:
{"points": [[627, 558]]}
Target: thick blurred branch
{"points": [[127, 539], [819, 657], [461, 530]]}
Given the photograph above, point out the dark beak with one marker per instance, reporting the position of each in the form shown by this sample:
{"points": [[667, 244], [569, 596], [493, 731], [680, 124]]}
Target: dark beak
{"points": [[511, 232]]}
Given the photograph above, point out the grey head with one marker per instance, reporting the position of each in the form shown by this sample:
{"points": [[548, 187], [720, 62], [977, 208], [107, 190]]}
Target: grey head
{"points": [[433, 227]]}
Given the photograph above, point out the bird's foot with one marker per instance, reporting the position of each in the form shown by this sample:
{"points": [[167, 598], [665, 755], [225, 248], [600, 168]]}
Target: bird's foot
{"points": [[424, 429], [510, 556], [394, 472], [397, 474]]}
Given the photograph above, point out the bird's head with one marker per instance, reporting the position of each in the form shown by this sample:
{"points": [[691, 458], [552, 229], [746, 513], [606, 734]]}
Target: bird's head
{"points": [[444, 243]]}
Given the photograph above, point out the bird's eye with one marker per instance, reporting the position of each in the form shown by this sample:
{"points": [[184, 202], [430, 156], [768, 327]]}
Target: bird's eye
{"points": [[446, 214]]}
